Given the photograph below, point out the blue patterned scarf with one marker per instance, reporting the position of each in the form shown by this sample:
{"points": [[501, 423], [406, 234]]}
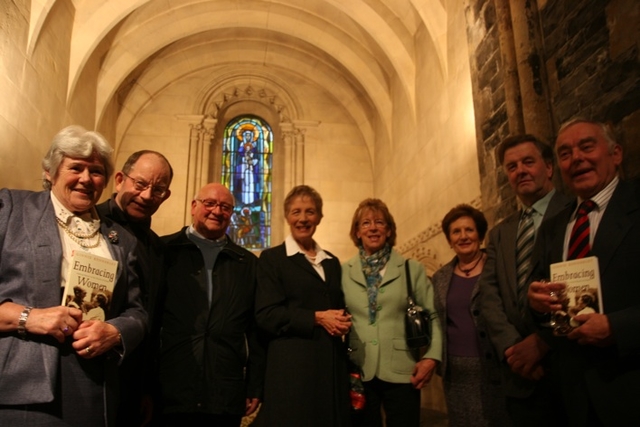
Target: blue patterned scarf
{"points": [[371, 266]]}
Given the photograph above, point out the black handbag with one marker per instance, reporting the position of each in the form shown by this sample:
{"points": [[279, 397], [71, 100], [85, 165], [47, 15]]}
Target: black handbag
{"points": [[417, 323]]}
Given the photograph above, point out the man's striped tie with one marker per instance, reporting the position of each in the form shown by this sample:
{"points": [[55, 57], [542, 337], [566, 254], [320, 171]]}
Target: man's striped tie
{"points": [[579, 241], [524, 248]]}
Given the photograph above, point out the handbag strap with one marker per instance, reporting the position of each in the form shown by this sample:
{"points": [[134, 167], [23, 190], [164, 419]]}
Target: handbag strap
{"points": [[408, 280]]}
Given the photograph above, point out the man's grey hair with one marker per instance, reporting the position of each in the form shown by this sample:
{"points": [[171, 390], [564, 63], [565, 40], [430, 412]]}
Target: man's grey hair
{"points": [[607, 131]]}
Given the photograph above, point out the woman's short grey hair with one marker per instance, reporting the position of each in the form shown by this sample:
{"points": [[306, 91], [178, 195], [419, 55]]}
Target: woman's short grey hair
{"points": [[303, 191], [78, 143]]}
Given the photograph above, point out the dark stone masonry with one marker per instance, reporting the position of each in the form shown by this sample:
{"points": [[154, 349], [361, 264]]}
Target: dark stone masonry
{"points": [[585, 61]]}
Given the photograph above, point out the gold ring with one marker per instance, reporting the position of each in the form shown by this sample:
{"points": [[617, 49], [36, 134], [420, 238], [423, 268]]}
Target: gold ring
{"points": [[88, 350]]}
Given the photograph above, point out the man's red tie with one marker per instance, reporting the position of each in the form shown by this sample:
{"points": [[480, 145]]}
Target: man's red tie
{"points": [[579, 241]]}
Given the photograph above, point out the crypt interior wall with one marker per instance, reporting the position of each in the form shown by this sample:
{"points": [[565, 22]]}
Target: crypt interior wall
{"points": [[428, 154], [433, 147], [419, 133]]}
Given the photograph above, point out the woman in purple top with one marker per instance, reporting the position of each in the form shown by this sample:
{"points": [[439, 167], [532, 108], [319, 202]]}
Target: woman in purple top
{"points": [[469, 367]]}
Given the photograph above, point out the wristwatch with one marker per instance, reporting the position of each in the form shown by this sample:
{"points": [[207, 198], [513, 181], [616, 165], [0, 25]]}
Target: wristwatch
{"points": [[22, 321]]}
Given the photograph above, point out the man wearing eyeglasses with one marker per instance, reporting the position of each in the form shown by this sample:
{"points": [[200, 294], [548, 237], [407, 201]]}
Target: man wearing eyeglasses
{"points": [[141, 187], [211, 364]]}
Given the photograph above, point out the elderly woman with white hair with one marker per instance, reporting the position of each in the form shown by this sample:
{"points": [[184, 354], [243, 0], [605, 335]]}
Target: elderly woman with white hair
{"points": [[56, 369]]}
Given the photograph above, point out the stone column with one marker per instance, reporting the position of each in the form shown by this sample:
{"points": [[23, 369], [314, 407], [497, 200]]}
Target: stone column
{"points": [[287, 132], [193, 166], [209, 134], [530, 59], [299, 156], [301, 128], [510, 67]]}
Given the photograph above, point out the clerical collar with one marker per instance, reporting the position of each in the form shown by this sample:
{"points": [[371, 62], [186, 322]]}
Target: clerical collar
{"points": [[121, 216]]}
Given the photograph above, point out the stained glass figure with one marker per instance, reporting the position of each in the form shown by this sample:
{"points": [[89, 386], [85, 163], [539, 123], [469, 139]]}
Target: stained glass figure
{"points": [[246, 170]]}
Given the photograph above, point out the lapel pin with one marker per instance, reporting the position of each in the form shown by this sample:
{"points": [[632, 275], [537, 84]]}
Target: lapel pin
{"points": [[113, 236]]}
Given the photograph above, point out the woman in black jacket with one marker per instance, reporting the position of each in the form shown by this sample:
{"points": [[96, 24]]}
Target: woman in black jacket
{"points": [[299, 303]]}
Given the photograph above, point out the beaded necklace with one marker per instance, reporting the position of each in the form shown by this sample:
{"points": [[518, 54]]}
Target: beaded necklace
{"points": [[81, 238]]}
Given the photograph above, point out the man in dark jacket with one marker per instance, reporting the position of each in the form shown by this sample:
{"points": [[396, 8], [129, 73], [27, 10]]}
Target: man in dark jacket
{"points": [[528, 166], [597, 363], [211, 365], [141, 187]]}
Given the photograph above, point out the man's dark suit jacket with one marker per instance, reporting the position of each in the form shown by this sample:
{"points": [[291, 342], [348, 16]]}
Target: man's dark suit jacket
{"points": [[507, 321], [136, 371], [607, 378], [149, 254]]}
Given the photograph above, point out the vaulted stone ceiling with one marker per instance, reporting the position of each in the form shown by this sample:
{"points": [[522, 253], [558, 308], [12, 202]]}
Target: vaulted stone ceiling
{"points": [[355, 49]]}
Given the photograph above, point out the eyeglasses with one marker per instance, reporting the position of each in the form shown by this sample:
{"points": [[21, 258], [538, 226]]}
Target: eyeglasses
{"points": [[210, 205], [140, 186], [378, 223]]}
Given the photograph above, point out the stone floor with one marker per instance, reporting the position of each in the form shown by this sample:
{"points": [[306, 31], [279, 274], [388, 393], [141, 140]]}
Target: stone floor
{"points": [[428, 418], [431, 418], [432, 406]]}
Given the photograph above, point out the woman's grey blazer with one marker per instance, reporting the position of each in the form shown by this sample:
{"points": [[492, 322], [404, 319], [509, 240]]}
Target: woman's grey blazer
{"points": [[30, 262]]}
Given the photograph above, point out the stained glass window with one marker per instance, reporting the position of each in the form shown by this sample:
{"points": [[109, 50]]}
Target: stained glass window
{"points": [[246, 170]]}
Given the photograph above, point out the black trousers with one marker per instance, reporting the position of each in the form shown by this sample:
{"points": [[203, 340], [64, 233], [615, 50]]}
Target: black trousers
{"points": [[199, 419], [401, 404], [542, 408]]}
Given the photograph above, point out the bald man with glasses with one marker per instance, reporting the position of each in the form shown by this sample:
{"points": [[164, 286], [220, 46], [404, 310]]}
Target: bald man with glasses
{"points": [[211, 364]]}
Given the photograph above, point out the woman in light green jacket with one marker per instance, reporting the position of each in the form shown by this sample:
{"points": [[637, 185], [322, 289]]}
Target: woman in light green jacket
{"points": [[375, 290]]}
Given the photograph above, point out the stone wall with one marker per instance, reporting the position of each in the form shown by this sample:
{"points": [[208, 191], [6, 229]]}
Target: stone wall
{"points": [[593, 62], [576, 58], [34, 71]]}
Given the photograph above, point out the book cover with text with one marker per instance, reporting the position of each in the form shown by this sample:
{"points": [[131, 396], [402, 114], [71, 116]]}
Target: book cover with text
{"points": [[582, 294], [90, 283]]}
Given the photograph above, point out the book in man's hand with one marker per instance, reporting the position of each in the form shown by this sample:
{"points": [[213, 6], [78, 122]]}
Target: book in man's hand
{"points": [[582, 294], [90, 283]]}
